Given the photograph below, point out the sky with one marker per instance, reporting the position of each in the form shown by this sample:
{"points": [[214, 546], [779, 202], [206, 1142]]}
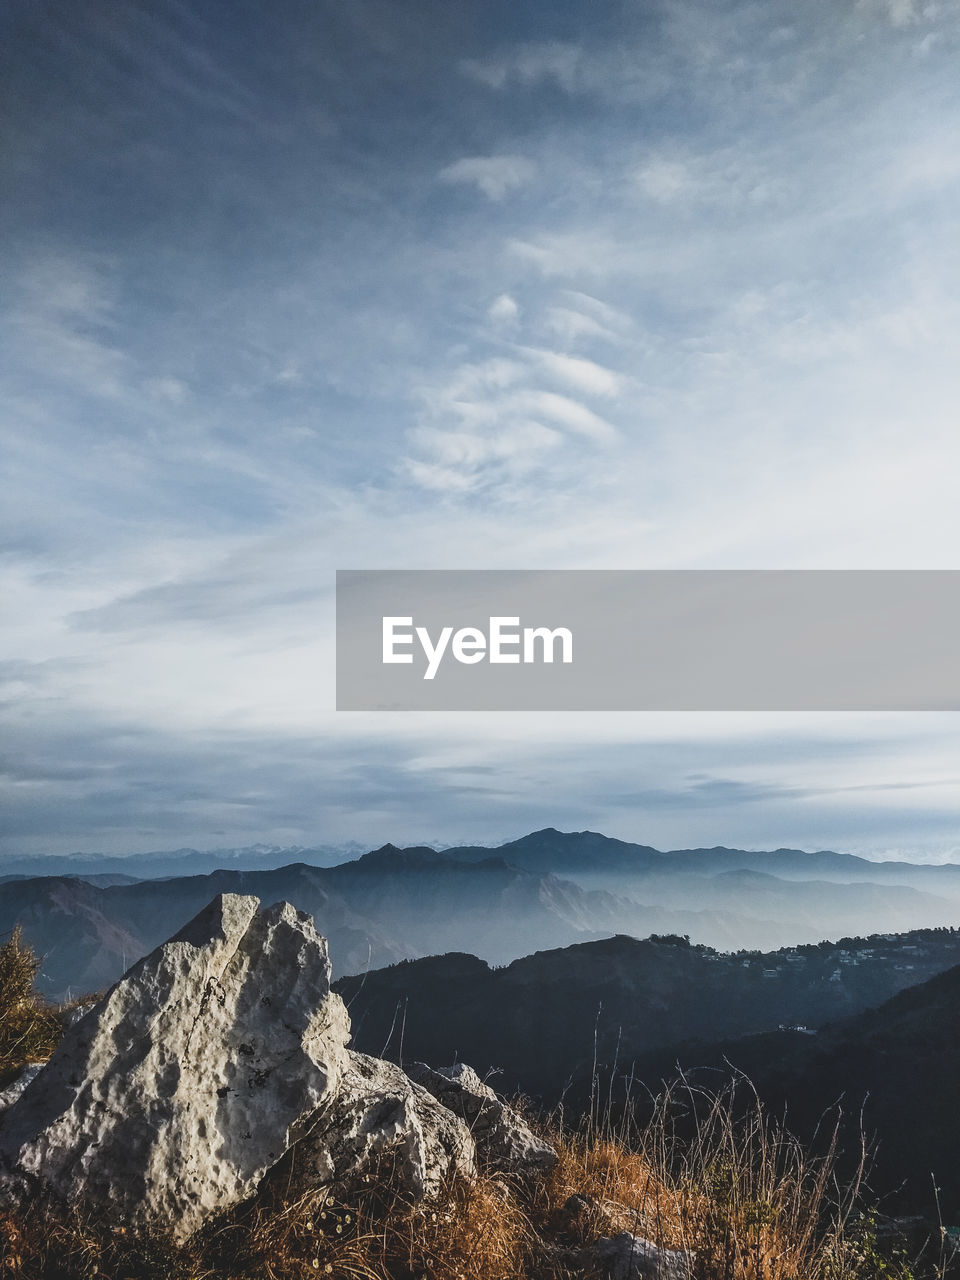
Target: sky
{"points": [[303, 286]]}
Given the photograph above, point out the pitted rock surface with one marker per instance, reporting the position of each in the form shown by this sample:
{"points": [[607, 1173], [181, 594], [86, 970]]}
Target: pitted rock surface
{"points": [[378, 1110], [502, 1138], [168, 1101]]}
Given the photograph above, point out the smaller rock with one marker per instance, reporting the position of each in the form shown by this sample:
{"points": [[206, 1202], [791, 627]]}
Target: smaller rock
{"points": [[503, 1140], [628, 1257], [73, 1015], [592, 1216], [379, 1111], [576, 1205], [576, 1219], [18, 1084]]}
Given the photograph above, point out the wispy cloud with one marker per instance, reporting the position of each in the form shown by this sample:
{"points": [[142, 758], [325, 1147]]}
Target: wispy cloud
{"points": [[568, 413], [504, 310], [571, 325], [495, 176], [727, 180], [586, 375], [528, 64], [618, 73], [497, 419]]}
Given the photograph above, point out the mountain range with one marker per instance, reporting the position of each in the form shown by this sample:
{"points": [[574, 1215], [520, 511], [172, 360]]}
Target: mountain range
{"points": [[547, 890], [162, 864], [385, 906]]}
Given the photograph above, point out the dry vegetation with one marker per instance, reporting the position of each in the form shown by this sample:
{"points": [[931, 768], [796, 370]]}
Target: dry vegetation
{"points": [[29, 1027], [701, 1173]]}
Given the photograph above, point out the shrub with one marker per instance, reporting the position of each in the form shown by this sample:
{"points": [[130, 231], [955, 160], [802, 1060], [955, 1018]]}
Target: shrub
{"points": [[29, 1027]]}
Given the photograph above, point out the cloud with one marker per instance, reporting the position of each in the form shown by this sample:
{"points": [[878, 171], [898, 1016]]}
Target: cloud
{"points": [[504, 310], [585, 375], [441, 479], [598, 309], [461, 448], [723, 180], [903, 13], [582, 254], [528, 64], [568, 413], [485, 422], [96, 783], [626, 72], [575, 316], [487, 375], [495, 176], [464, 460], [570, 326], [169, 389], [666, 180]]}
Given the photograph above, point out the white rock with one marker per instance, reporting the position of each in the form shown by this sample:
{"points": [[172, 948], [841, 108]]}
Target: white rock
{"points": [[628, 1257], [503, 1140], [168, 1101], [73, 1015], [18, 1084], [378, 1110]]}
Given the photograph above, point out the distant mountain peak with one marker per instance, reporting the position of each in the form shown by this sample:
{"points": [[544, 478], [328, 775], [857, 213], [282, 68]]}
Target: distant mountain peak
{"points": [[390, 856]]}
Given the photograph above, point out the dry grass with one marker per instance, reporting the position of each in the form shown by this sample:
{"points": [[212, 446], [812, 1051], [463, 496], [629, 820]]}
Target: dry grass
{"points": [[745, 1198], [717, 1175], [29, 1027], [711, 1173]]}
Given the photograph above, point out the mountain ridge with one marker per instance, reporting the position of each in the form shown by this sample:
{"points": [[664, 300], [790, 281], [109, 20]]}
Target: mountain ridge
{"points": [[546, 890], [258, 856], [549, 1018]]}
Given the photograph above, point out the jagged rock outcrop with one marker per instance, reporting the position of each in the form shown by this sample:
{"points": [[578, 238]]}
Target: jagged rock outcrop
{"points": [[501, 1137], [628, 1257], [171, 1099]]}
